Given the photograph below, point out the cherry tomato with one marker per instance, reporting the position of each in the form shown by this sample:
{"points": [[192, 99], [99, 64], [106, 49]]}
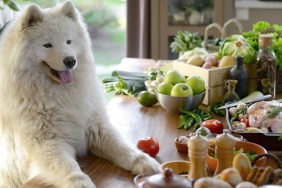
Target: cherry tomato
{"points": [[149, 145], [246, 121], [214, 125]]}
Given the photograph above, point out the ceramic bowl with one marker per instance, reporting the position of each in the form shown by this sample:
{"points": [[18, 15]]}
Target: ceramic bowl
{"points": [[174, 104], [140, 179], [247, 147], [181, 147], [179, 167]]}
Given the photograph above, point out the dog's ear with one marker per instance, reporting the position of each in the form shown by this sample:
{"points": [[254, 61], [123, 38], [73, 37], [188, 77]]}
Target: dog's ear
{"points": [[32, 16], [68, 9]]}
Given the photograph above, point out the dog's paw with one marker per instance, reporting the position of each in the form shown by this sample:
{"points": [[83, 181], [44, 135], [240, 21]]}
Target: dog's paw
{"points": [[145, 164], [79, 180]]}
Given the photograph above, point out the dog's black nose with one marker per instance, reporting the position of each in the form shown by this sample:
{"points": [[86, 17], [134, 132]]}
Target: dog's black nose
{"points": [[70, 61]]}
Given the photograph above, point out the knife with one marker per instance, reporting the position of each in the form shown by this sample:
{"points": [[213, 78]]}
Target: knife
{"points": [[256, 99]]}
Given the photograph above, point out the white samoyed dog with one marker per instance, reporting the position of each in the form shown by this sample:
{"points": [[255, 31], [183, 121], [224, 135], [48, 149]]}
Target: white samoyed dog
{"points": [[52, 105]]}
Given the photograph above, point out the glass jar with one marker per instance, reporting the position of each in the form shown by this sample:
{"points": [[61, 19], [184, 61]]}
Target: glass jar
{"points": [[266, 66]]}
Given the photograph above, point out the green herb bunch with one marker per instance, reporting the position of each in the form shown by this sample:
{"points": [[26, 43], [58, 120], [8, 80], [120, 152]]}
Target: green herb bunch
{"points": [[125, 83], [185, 41], [262, 27]]}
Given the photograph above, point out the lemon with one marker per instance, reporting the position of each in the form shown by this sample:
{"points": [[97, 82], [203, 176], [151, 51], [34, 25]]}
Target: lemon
{"points": [[147, 99]]}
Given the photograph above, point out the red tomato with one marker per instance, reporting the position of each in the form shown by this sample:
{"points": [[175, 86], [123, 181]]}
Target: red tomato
{"points": [[214, 125], [149, 145], [246, 121]]}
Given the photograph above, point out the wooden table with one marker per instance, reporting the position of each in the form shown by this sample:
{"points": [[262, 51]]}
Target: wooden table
{"points": [[134, 121]]}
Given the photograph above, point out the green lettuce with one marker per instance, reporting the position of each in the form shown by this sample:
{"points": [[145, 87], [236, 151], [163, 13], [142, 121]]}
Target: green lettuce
{"points": [[265, 27]]}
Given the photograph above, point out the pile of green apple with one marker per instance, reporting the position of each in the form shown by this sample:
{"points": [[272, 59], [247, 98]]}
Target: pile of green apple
{"points": [[175, 84]]}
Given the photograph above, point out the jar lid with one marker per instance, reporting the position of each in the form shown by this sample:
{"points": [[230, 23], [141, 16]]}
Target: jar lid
{"points": [[230, 82], [167, 179], [265, 40]]}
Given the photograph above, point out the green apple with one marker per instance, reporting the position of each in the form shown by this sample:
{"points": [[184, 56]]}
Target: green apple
{"points": [[173, 77], [164, 88], [181, 90], [197, 84]]}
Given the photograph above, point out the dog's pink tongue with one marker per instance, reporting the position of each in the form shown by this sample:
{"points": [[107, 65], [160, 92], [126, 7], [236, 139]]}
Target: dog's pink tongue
{"points": [[65, 76]]}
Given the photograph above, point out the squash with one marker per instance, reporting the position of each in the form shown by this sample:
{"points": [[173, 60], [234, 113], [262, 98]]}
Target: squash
{"points": [[242, 163], [252, 95]]}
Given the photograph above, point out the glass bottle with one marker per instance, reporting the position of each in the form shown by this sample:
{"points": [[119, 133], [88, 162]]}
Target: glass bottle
{"points": [[239, 73], [230, 95], [266, 66]]}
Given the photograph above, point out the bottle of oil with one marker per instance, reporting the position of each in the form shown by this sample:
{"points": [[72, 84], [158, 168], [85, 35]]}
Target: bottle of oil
{"points": [[266, 66], [230, 95], [239, 73]]}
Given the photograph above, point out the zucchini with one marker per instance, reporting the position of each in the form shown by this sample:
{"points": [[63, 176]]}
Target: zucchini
{"points": [[251, 96]]}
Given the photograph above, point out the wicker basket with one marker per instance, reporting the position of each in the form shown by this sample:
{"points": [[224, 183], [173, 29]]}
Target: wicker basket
{"points": [[231, 21], [209, 44]]}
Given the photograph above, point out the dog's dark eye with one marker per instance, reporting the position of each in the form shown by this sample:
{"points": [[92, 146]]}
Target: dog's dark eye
{"points": [[47, 45], [68, 41]]}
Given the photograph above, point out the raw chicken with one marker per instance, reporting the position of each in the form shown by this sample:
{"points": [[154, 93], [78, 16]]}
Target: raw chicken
{"points": [[276, 124], [259, 112], [258, 109]]}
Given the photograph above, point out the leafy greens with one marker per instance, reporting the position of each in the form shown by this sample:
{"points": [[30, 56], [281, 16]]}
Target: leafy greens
{"points": [[184, 41], [261, 27]]}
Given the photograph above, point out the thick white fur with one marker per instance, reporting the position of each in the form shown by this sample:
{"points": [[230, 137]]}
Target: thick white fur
{"points": [[45, 124]]}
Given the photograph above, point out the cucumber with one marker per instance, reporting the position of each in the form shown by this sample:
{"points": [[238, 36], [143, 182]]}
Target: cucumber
{"points": [[251, 96]]}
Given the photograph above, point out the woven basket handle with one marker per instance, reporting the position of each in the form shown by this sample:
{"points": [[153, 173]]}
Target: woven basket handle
{"points": [[236, 22], [210, 26], [269, 155]]}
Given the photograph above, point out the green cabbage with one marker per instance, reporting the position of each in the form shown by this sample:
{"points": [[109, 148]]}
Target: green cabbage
{"points": [[237, 45]]}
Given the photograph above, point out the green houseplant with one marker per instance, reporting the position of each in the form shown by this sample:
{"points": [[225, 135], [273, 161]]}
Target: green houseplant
{"points": [[10, 4]]}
